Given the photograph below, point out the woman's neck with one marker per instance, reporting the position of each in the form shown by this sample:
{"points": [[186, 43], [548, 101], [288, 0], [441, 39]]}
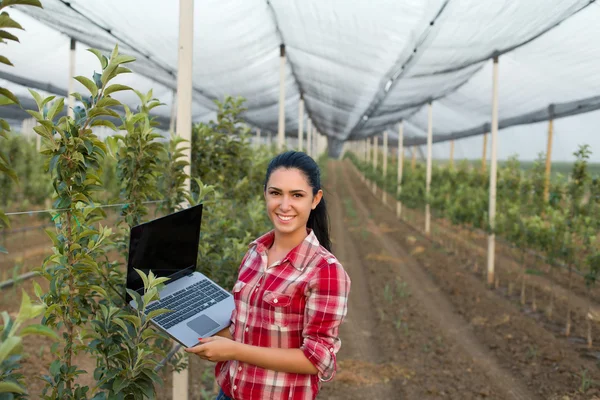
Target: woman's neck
{"points": [[286, 242]]}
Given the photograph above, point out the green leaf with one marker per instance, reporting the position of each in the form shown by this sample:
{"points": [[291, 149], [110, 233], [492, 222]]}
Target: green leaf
{"points": [[8, 347], [8, 36], [56, 108], [100, 290], [4, 219], [156, 313], [11, 387], [6, 21], [134, 319], [9, 94], [102, 58], [107, 101], [123, 59], [34, 3], [40, 330], [115, 88], [89, 84], [104, 122], [5, 60]]}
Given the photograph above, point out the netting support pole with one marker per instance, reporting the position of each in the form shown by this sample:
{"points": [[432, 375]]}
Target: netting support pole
{"points": [[308, 137], [484, 155], [493, 170], [173, 112], [429, 164], [184, 83], [300, 121], [413, 161], [385, 163], [281, 125], [184, 129], [549, 153], [71, 85], [258, 137], [367, 157], [375, 151], [452, 153], [400, 167]]}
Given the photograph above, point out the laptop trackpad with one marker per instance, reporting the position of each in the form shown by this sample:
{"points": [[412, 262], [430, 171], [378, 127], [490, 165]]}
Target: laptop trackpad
{"points": [[202, 325]]}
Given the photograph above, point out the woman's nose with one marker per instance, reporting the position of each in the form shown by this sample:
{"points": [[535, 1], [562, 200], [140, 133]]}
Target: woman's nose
{"points": [[285, 203]]}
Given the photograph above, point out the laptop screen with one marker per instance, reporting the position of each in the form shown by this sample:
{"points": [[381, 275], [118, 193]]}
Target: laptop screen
{"points": [[168, 246]]}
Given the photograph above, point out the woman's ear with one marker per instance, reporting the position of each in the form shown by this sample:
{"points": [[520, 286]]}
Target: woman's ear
{"points": [[317, 199]]}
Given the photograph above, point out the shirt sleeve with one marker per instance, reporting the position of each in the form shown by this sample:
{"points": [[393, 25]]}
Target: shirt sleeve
{"points": [[326, 308]]}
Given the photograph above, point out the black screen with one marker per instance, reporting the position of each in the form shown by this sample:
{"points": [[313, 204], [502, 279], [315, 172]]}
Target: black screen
{"points": [[168, 246]]}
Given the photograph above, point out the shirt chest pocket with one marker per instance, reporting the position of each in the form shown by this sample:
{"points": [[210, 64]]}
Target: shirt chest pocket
{"points": [[277, 310]]}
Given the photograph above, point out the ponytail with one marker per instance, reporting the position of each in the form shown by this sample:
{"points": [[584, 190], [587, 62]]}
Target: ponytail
{"points": [[318, 221]]}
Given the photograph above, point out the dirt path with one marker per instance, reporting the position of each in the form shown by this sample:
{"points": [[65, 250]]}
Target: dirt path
{"points": [[438, 308], [361, 356]]}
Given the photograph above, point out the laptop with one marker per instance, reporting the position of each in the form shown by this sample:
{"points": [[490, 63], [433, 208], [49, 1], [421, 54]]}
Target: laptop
{"points": [[168, 246]]}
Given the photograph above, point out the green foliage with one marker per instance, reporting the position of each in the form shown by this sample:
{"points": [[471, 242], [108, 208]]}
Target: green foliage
{"points": [[563, 228], [234, 215], [33, 185], [138, 157], [11, 345], [125, 342], [6, 96], [172, 179], [75, 270]]}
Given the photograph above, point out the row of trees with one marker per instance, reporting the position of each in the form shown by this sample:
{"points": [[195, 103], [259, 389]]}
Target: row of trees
{"points": [[84, 310], [562, 227]]}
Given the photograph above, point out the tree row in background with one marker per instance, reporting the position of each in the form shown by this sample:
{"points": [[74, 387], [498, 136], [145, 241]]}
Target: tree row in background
{"points": [[562, 228]]}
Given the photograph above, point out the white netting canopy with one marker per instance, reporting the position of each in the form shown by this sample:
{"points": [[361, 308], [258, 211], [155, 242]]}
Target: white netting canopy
{"points": [[361, 66]]}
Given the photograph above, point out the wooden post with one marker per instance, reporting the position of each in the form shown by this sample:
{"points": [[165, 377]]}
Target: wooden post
{"points": [[173, 112], [281, 126], [452, 153], [375, 151], [429, 164], [300, 121], [549, 153], [413, 161], [385, 162], [493, 169], [308, 137], [484, 156], [400, 167], [184, 128], [71, 85]]}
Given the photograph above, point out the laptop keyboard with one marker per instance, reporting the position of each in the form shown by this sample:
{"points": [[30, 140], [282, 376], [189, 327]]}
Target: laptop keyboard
{"points": [[187, 302]]}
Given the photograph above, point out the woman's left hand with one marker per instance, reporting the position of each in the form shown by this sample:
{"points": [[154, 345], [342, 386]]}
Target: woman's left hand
{"points": [[215, 349]]}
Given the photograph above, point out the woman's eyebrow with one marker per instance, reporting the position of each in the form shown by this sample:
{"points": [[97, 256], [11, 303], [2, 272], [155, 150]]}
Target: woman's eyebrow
{"points": [[291, 191]]}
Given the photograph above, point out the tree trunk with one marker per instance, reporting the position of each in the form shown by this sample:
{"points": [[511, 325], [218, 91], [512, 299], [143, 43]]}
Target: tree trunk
{"points": [[589, 320], [568, 326], [523, 277], [550, 308]]}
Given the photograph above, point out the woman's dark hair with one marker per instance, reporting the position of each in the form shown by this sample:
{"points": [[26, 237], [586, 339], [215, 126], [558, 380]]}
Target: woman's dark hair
{"points": [[318, 220]]}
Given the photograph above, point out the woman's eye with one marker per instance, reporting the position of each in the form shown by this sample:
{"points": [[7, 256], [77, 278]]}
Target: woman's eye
{"points": [[274, 193], [297, 195]]}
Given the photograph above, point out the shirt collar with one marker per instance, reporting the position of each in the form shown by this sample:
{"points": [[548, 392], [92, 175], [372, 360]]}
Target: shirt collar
{"points": [[299, 256]]}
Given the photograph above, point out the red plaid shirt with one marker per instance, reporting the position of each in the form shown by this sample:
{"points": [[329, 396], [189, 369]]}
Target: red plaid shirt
{"points": [[298, 303]]}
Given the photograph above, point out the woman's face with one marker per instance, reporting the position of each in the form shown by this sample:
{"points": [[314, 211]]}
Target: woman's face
{"points": [[290, 200]]}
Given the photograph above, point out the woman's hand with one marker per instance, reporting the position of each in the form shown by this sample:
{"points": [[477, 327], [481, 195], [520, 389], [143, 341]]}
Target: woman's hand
{"points": [[215, 349]]}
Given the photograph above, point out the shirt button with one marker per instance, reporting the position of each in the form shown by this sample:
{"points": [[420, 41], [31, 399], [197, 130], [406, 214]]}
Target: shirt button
{"points": [[240, 368], [246, 329], [235, 387], [331, 349], [275, 301]]}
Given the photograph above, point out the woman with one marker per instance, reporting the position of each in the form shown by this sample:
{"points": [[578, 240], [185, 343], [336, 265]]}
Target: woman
{"points": [[290, 297]]}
